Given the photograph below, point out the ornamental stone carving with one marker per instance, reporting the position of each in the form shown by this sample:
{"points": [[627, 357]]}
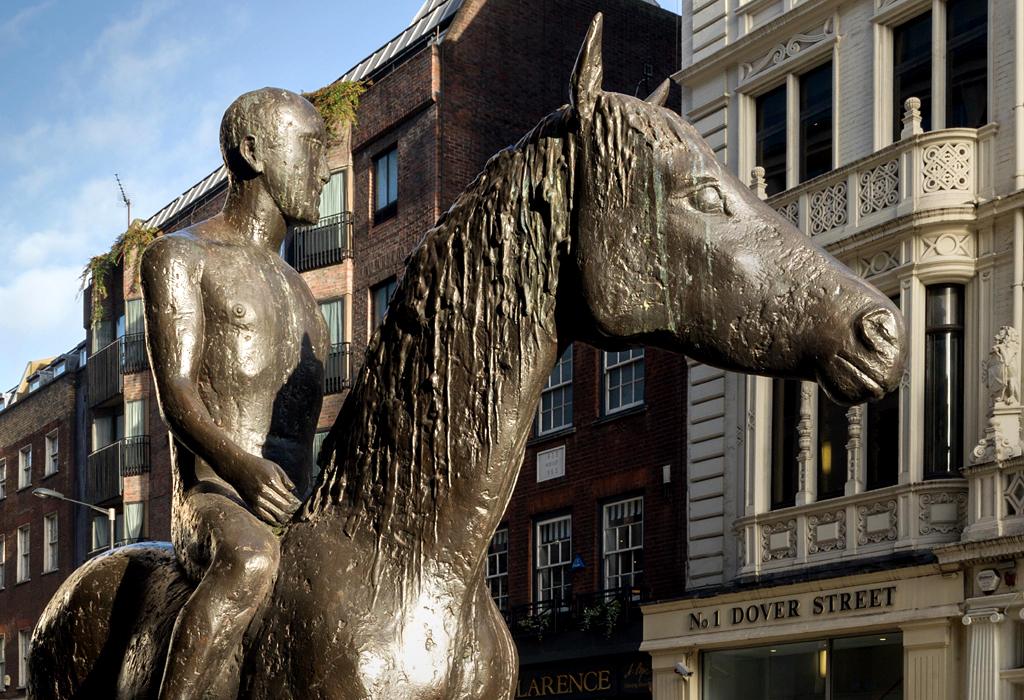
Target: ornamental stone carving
{"points": [[879, 187], [828, 208], [882, 261], [826, 532], [780, 53], [942, 513], [854, 418], [877, 523], [778, 540], [1013, 494], [1002, 439], [946, 245], [803, 432], [946, 167], [791, 212]]}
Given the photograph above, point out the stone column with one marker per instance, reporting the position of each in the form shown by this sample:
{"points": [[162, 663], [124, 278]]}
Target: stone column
{"points": [[982, 661], [928, 667]]}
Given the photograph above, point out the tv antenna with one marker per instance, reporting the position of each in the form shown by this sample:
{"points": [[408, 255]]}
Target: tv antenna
{"points": [[124, 198]]}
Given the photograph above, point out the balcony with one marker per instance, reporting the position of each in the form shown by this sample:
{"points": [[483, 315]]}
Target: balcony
{"points": [[106, 367], [872, 523], [600, 613], [337, 370], [108, 465], [133, 358], [945, 169], [104, 374], [327, 242]]}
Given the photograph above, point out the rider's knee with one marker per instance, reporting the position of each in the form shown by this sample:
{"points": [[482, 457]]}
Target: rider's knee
{"points": [[253, 564]]}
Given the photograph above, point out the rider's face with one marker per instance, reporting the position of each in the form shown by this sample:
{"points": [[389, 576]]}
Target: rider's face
{"points": [[296, 170]]}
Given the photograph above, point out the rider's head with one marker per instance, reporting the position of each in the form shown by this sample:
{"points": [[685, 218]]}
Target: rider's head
{"points": [[279, 136]]}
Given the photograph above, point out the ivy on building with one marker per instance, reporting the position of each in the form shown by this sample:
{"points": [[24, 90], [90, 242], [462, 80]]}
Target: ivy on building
{"points": [[100, 269], [337, 103]]}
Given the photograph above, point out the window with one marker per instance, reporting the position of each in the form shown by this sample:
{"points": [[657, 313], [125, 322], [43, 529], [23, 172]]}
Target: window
{"points": [[833, 427], [318, 443], [24, 643], [623, 379], [554, 555], [810, 129], [3, 566], [912, 69], [100, 532], [944, 381], [134, 521], [25, 467], [59, 368], [555, 410], [882, 439], [816, 122], [380, 297], [811, 670], [623, 543], [33, 383], [51, 555], [332, 197], [24, 538], [3, 478], [963, 73], [966, 63], [334, 314], [785, 415], [497, 568], [3, 656], [771, 138], [385, 168], [52, 454]]}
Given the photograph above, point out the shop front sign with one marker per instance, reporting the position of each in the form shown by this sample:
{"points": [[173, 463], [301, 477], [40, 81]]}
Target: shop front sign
{"points": [[807, 605], [610, 677]]}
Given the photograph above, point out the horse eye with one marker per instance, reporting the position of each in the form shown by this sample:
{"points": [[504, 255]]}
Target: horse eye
{"points": [[708, 199]]}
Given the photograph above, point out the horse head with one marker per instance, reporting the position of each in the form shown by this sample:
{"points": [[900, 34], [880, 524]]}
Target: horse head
{"points": [[674, 251]]}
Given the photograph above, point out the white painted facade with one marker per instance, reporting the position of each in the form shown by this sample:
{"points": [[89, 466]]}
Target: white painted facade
{"points": [[943, 206]]}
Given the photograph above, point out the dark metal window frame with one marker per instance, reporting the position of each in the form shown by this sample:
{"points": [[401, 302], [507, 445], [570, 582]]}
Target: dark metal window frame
{"points": [[390, 208]]}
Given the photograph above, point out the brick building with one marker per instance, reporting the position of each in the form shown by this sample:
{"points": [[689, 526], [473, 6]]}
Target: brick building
{"points": [[40, 423], [465, 79]]}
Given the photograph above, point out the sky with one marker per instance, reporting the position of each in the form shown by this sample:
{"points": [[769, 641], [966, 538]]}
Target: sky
{"points": [[90, 89]]}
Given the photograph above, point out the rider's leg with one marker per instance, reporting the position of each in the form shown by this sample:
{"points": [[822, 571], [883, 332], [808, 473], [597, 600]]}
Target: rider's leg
{"points": [[244, 555]]}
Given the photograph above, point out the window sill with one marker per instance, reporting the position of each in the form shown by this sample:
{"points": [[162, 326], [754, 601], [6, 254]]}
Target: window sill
{"points": [[621, 413], [47, 476], [386, 214], [51, 571], [553, 435], [23, 488], [23, 581]]}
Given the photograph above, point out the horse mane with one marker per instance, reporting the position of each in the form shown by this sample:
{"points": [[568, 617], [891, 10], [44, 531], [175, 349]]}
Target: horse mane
{"points": [[477, 291]]}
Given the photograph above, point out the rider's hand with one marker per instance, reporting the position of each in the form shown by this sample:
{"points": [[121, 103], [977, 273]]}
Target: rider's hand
{"points": [[266, 489]]}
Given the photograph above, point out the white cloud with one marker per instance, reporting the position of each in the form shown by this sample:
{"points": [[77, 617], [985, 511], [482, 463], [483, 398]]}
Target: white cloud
{"points": [[11, 29]]}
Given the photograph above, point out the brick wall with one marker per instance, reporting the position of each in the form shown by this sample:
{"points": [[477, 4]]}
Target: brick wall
{"points": [[27, 423]]}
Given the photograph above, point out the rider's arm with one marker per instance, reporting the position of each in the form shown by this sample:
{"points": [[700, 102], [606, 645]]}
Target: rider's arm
{"points": [[170, 272]]}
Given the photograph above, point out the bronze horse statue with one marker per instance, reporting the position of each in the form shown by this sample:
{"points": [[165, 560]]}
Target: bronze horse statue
{"points": [[612, 223]]}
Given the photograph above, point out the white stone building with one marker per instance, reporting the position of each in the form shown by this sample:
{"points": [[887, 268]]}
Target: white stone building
{"points": [[875, 552]]}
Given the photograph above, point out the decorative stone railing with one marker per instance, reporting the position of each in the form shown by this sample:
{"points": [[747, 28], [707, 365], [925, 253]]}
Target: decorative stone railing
{"points": [[933, 170], [907, 516]]}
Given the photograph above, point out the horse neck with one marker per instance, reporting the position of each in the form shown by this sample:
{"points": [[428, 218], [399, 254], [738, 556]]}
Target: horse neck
{"points": [[429, 442]]}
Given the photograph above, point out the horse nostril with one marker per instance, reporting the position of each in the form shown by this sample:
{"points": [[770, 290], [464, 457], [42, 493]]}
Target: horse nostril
{"points": [[879, 329]]}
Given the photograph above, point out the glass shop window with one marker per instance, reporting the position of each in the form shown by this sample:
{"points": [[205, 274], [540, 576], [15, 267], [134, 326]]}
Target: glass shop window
{"points": [[851, 668], [912, 69], [785, 415], [816, 122], [944, 381], [770, 138]]}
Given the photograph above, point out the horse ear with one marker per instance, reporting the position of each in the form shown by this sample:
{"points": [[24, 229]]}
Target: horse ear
{"points": [[589, 71], [660, 95]]}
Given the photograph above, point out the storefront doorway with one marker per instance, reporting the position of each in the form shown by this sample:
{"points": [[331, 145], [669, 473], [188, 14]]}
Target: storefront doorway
{"points": [[868, 667]]}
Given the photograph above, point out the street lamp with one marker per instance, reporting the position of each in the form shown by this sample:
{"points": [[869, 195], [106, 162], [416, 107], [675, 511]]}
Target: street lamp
{"points": [[111, 513]]}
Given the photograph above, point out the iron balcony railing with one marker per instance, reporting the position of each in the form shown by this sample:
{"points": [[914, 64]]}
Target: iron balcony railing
{"points": [[133, 357], [337, 370], [106, 467], [106, 367], [103, 371], [599, 612], [327, 242]]}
